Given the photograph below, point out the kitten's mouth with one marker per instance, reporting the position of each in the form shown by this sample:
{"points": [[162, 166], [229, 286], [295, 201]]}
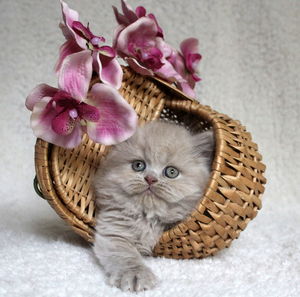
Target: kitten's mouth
{"points": [[149, 190]]}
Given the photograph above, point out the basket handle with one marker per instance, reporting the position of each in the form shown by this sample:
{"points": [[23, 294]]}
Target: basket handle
{"points": [[37, 188]]}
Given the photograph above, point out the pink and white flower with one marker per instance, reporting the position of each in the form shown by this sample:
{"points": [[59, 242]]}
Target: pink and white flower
{"points": [[61, 115], [139, 41], [186, 62], [144, 51], [80, 38], [129, 16]]}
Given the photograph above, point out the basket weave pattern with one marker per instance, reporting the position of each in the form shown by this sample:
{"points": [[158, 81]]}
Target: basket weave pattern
{"points": [[232, 197]]}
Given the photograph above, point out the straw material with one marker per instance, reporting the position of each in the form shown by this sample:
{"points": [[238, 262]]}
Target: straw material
{"points": [[232, 197]]}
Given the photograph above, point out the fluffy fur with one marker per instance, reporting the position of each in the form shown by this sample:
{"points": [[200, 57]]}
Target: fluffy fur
{"points": [[133, 213]]}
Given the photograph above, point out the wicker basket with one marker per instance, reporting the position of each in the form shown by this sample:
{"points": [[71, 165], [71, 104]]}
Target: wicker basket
{"points": [[232, 197]]}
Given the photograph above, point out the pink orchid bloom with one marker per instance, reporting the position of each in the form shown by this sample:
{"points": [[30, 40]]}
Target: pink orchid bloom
{"points": [[148, 54], [61, 115], [191, 59], [139, 45], [139, 41], [189, 49], [80, 38], [129, 16], [186, 63]]}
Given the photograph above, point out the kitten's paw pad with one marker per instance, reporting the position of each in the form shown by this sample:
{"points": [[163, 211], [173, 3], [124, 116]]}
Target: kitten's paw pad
{"points": [[139, 279]]}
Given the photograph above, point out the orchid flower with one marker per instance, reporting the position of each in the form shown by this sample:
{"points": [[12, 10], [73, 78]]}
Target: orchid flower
{"points": [[187, 61], [80, 38], [148, 54], [189, 49], [139, 48], [138, 45], [61, 115], [129, 16]]}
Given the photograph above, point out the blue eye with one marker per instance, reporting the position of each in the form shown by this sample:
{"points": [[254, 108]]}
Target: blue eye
{"points": [[138, 165], [171, 172]]}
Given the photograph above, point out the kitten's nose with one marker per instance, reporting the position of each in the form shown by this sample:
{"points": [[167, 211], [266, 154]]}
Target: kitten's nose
{"points": [[150, 179]]}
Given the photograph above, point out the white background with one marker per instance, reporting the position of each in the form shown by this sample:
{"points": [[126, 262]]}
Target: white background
{"points": [[250, 70]]}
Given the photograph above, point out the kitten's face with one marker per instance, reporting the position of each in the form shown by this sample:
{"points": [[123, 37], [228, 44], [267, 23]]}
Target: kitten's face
{"points": [[159, 163], [161, 172]]}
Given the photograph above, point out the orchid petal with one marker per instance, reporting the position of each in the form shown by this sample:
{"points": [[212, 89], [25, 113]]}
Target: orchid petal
{"points": [[38, 93], [165, 48], [107, 51], [195, 77], [187, 89], [116, 34], [118, 119], [41, 124], [88, 112], [63, 123], [70, 16], [189, 49], [188, 46], [128, 12], [192, 62], [68, 48], [177, 61], [76, 73], [160, 32], [66, 31], [140, 11], [110, 71], [140, 33], [81, 30], [151, 58], [168, 72], [121, 19], [138, 68], [191, 57]]}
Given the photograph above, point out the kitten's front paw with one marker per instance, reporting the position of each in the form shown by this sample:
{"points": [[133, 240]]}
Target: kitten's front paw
{"points": [[138, 279]]}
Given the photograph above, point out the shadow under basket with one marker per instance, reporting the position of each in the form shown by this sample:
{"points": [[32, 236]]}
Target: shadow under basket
{"points": [[232, 197]]}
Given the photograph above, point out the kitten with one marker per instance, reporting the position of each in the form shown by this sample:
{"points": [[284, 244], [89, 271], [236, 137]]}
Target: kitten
{"points": [[145, 186]]}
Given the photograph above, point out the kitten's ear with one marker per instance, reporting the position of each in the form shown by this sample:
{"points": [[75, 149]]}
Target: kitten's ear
{"points": [[204, 144]]}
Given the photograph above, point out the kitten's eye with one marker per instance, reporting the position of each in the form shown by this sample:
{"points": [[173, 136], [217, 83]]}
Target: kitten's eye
{"points": [[171, 172], [138, 165]]}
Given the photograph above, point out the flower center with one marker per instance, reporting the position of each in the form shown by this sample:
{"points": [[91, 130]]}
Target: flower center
{"points": [[93, 41], [70, 111], [73, 113], [150, 57]]}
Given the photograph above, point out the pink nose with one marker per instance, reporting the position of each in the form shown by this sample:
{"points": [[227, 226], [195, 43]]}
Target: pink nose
{"points": [[150, 179]]}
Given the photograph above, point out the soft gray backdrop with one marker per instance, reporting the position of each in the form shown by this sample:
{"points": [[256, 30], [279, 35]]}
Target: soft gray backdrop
{"points": [[250, 71]]}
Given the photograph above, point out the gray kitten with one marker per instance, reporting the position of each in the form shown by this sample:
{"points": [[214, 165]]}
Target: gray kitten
{"points": [[145, 186]]}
